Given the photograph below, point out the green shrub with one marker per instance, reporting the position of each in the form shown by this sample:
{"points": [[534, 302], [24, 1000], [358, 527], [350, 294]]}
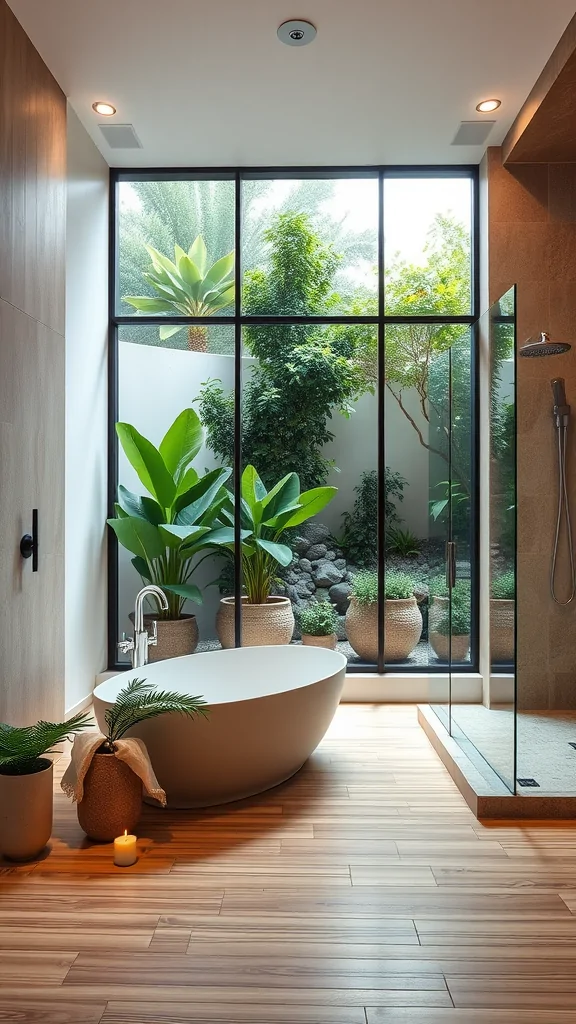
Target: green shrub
{"points": [[458, 624], [359, 538], [403, 543], [439, 588], [318, 619], [397, 586], [504, 586]]}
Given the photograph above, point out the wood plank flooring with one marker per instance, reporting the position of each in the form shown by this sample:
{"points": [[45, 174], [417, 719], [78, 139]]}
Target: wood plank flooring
{"points": [[363, 891]]}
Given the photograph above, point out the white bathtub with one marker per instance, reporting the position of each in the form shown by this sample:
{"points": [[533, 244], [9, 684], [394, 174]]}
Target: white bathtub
{"points": [[269, 709]]}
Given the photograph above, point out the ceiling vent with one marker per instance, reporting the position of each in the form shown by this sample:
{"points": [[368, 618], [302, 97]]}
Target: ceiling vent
{"points": [[473, 133], [120, 136]]}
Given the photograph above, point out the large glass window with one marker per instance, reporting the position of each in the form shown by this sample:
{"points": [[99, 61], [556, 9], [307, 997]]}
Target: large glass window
{"points": [[279, 345]]}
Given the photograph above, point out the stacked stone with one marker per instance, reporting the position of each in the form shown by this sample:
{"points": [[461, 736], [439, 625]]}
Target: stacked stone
{"points": [[319, 571]]}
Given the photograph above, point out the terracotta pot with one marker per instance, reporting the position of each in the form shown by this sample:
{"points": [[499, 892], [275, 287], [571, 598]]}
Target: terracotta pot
{"points": [[176, 637], [402, 629], [262, 624], [329, 641], [502, 630], [441, 647], [26, 803], [112, 801]]}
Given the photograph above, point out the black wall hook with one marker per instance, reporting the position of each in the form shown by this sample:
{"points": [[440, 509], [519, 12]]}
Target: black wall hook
{"points": [[29, 542]]}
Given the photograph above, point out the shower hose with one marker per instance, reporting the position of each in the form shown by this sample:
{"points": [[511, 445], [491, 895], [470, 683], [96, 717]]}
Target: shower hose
{"points": [[563, 513]]}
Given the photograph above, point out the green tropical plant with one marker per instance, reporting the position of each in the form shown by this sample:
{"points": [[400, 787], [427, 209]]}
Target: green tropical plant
{"points": [[139, 701], [191, 286], [23, 748], [166, 530], [264, 517], [359, 536], [404, 543], [398, 586], [302, 373], [318, 619], [503, 587]]}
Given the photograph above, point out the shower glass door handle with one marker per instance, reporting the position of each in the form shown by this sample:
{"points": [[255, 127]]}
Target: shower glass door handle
{"points": [[450, 565]]}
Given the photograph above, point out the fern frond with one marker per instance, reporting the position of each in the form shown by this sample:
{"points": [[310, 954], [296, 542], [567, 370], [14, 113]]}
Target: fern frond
{"points": [[138, 701], [22, 746]]}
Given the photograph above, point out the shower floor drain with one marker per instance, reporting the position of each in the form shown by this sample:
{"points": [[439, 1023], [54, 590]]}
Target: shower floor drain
{"points": [[572, 745], [530, 783]]}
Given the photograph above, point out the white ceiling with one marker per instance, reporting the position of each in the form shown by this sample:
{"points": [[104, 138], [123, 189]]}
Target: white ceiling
{"points": [[209, 84]]}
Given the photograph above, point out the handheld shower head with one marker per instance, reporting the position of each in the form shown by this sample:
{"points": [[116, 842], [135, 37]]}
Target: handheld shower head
{"points": [[559, 392], [542, 346]]}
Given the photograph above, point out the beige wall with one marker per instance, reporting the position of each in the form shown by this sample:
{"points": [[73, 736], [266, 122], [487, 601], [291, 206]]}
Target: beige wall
{"points": [[32, 309], [532, 243], [86, 412]]}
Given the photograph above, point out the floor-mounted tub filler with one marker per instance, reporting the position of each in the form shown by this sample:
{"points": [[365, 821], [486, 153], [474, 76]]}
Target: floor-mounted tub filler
{"points": [[269, 709]]}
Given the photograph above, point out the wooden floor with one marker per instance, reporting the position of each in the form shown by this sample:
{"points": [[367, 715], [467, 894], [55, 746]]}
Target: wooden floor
{"points": [[361, 892]]}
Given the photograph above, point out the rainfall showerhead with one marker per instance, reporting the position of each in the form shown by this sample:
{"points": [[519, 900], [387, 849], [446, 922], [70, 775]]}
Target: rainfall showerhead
{"points": [[544, 347]]}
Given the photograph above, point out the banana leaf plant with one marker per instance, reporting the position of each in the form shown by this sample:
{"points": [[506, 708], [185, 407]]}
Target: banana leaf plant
{"points": [[166, 529], [191, 286], [265, 516]]}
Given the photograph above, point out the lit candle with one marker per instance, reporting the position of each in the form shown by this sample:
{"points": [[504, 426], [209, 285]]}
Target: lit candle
{"points": [[125, 850]]}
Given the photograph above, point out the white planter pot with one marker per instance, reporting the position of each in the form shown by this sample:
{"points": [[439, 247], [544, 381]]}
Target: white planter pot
{"points": [[402, 629], [329, 641], [26, 808], [262, 624]]}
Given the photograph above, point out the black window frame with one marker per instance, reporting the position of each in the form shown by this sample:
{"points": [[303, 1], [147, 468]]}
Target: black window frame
{"points": [[238, 320]]}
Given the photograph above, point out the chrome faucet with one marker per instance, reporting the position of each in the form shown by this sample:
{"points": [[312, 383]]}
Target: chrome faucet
{"points": [[137, 645]]}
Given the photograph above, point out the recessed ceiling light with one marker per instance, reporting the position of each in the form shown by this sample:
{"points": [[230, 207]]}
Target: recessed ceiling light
{"points": [[296, 33], [487, 106], [105, 109]]}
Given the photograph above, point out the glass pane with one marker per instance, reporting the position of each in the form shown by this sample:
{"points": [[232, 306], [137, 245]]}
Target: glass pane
{"points": [[176, 249], [487, 730], [427, 246], [310, 247], [437, 609], [157, 381], [308, 408]]}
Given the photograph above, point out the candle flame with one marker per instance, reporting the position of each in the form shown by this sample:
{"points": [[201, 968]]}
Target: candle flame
{"points": [[125, 831]]}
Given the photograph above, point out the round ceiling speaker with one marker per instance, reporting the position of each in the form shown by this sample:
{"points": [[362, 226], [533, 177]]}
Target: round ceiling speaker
{"points": [[296, 33]]}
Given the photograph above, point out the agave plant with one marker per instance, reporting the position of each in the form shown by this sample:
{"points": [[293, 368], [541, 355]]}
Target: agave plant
{"points": [[23, 748], [139, 701], [166, 530], [265, 516], [190, 286]]}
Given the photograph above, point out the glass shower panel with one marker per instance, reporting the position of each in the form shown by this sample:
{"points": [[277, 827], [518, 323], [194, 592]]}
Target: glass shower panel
{"points": [[487, 730]]}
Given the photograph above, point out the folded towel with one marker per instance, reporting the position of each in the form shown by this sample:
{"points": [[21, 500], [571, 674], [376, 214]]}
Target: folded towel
{"points": [[132, 751]]}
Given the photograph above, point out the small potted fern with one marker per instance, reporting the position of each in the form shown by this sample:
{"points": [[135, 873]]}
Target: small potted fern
{"points": [[26, 783], [502, 613], [111, 800], [318, 623], [402, 616]]}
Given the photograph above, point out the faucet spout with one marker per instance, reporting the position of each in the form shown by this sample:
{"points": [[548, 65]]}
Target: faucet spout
{"points": [[150, 591]]}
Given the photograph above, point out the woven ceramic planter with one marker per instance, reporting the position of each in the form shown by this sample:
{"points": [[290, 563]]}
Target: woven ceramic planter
{"points": [[437, 609], [262, 624], [502, 630], [176, 637], [441, 647], [112, 801], [26, 803], [402, 626], [329, 641]]}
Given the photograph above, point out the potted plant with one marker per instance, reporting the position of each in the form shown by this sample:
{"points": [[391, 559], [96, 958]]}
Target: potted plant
{"points": [[439, 598], [402, 616], [265, 517], [318, 623], [502, 613], [112, 792], [190, 286], [450, 635], [26, 783], [167, 529]]}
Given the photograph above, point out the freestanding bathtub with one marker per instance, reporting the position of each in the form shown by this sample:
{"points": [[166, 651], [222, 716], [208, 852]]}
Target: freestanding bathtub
{"points": [[269, 709]]}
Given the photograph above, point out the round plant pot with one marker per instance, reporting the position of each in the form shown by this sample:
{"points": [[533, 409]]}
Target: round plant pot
{"points": [[26, 803], [441, 647], [402, 629], [176, 637], [436, 611], [502, 630], [329, 641], [262, 624], [112, 801]]}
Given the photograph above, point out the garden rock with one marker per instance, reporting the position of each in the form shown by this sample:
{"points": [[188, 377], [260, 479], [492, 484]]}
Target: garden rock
{"points": [[305, 565], [326, 574], [339, 594], [316, 552]]}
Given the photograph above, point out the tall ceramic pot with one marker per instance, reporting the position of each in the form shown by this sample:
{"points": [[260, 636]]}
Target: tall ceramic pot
{"points": [[26, 807], [502, 630], [402, 628], [176, 637], [112, 801], [262, 624], [328, 642]]}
